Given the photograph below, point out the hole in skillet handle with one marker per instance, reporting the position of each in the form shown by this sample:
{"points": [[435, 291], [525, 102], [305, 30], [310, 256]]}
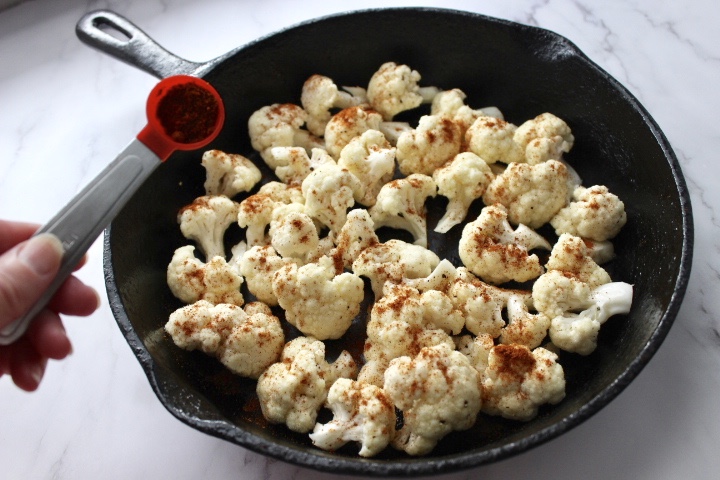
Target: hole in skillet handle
{"points": [[184, 113]]}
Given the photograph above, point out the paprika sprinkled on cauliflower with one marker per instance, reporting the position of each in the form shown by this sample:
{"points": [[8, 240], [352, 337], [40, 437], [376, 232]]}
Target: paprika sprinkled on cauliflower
{"points": [[394, 88], [462, 180], [401, 204], [361, 413], [523, 327], [206, 220], [491, 139], [476, 349], [452, 103], [594, 213], [517, 381], [191, 280], [434, 142], [437, 391], [571, 255], [371, 158], [228, 173], [246, 341], [320, 95], [256, 212], [293, 390], [357, 234], [294, 164], [279, 125], [293, 233], [545, 137], [258, 265], [533, 194], [317, 299], [347, 124], [394, 260], [492, 250], [329, 192]]}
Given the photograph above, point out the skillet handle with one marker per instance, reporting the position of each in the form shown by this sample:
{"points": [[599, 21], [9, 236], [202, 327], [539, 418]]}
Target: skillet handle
{"points": [[120, 38]]}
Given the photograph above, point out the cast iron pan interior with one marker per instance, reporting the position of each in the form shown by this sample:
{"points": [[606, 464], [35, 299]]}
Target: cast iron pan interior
{"points": [[522, 70]]}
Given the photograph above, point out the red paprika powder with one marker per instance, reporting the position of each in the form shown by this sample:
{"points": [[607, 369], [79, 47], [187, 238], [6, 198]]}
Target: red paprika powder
{"points": [[188, 113]]}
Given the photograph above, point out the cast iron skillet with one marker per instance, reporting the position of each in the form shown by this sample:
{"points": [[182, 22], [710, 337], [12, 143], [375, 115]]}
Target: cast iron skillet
{"points": [[524, 71]]}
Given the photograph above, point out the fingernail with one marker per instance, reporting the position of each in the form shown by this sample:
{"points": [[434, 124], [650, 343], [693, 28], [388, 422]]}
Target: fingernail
{"points": [[36, 373], [42, 253]]}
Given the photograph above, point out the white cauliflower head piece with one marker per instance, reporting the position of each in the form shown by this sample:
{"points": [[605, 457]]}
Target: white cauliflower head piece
{"points": [[401, 204], [329, 192], [491, 249], [491, 139], [545, 137], [394, 88], [279, 125], [246, 341], [228, 173], [258, 265], [452, 103], [317, 299], [191, 280], [293, 233], [371, 158], [356, 235], [206, 220], [347, 124], [362, 413], [320, 95], [434, 142], [438, 392], [462, 180], [294, 164], [293, 390], [594, 213], [517, 381], [533, 194]]}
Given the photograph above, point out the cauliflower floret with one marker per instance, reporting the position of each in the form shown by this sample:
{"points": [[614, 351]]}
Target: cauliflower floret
{"points": [[533, 194], [319, 95], [347, 124], [545, 137], [401, 204], [491, 139], [435, 141], [206, 220], [578, 332], [452, 103], [191, 280], [280, 125], [361, 413], [462, 180], [246, 341], [394, 260], [256, 212], [229, 174], [476, 349], [437, 391], [293, 233], [318, 300], [292, 390], [523, 327], [594, 213], [492, 250], [394, 88], [258, 266], [570, 254], [294, 164], [371, 158], [357, 234], [329, 192], [517, 381]]}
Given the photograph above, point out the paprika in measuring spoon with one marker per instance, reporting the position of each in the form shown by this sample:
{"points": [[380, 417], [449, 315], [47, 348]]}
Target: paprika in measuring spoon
{"points": [[184, 113]]}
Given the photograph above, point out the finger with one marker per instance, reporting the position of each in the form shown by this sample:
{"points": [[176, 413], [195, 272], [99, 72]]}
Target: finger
{"points": [[27, 366], [12, 233], [47, 336], [26, 271], [75, 298]]}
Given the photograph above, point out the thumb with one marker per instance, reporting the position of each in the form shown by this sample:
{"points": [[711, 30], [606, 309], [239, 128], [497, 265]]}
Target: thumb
{"points": [[26, 271]]}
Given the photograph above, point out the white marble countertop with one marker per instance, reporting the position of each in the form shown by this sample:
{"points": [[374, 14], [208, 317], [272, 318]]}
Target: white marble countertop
{"points": [[67, 110]]}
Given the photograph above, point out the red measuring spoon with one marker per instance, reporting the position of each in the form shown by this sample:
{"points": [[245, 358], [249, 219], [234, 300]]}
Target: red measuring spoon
{"points": [[184, 113]]}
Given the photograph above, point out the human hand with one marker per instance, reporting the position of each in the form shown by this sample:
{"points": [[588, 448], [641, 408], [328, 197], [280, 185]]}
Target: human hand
{"points": [[27, 267]]}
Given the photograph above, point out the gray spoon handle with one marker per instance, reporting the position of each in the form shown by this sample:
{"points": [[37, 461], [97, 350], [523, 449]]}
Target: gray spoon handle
{"points": [[82, 220]]}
